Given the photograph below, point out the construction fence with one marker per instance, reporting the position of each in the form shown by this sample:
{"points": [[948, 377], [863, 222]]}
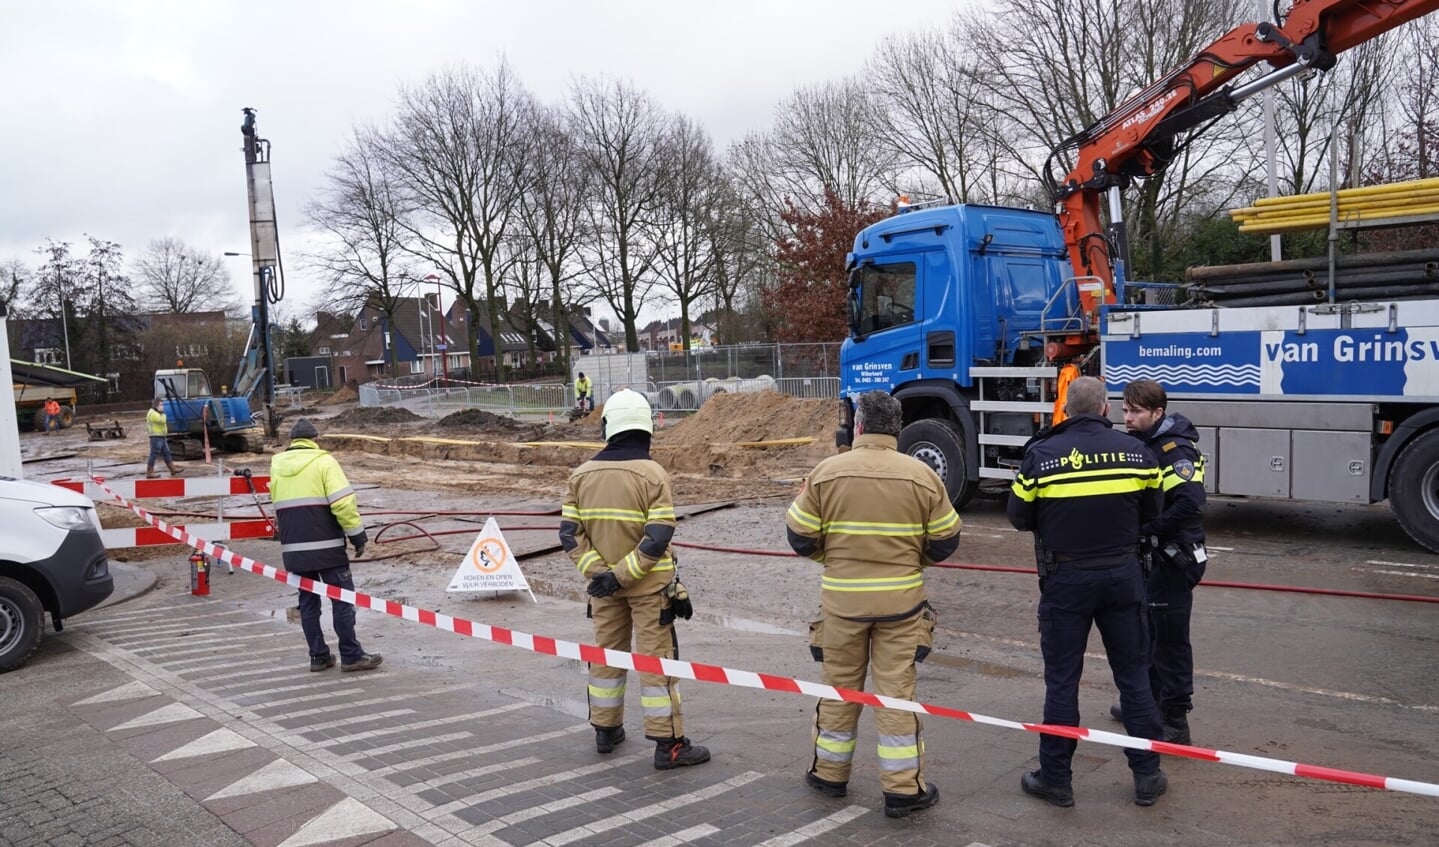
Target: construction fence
{"points": [[675, 383]]}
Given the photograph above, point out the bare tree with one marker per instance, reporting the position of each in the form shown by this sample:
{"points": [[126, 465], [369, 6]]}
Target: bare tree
{"points": [[359, 210], [939, 116], [1078, 61], [744, 263], [621, 136], [460, 151], [14, 276], [827, 138], [552, 215], [171, 276], [693, 200]]}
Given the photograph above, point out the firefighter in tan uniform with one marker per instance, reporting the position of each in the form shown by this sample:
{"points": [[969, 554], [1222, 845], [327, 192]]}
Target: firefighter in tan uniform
{"points": [[616, 524], [874, 518]]}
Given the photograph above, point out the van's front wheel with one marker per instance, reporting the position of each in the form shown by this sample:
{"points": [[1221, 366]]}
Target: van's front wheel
{"points": [[939, 443], [21, 620]]}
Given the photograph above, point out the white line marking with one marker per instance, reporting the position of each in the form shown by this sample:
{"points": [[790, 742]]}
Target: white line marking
{"points": [[651, 810], [476, 751], [684, 836], [348, 818], [173, 713], [815, 829], [219, 741], [128, 691], [277, 774], [412, 727]]}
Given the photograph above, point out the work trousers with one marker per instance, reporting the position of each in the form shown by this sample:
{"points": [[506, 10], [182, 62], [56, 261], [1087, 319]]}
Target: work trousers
{"points": [[159, 449], [642, 624], [1070, 601], [885, 651], [1170, 593], [343, 615]]}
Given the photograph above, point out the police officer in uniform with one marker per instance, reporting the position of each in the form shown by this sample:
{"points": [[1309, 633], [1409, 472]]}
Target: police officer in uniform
{"points": [[315, 514], [616, 523], [874, 517], [1176, 538], [1085, 490]]}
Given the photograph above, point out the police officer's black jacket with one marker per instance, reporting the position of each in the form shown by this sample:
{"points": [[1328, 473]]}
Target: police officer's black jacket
{"points": [[1085, 490], [1181, 474]]}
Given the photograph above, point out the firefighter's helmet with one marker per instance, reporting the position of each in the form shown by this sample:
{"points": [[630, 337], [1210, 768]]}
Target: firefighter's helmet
{"points": [[626, 410]]}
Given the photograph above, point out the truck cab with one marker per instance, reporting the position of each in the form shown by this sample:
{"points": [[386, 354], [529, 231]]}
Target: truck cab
{"points": [[950, 309]]}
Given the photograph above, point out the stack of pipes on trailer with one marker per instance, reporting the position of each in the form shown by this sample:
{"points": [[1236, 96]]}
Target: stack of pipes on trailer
{"points": [[1370, 205], [1406, 274]]}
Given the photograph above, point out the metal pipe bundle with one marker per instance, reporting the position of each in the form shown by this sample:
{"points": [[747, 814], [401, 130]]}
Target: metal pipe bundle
{"points": [[1367, 205]]}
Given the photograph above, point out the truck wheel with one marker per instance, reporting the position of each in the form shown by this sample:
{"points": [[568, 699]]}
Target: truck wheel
{"points": [[939, 443], [1414, 490], [67, 417], [38, 419], [21, 620]]}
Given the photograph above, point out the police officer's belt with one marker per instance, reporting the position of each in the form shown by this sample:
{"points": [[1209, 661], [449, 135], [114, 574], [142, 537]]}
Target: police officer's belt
{"points": [[1095, 561]]}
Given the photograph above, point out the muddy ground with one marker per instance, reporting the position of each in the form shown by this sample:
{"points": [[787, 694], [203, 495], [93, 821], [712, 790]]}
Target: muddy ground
{"points": [[738, 447]]}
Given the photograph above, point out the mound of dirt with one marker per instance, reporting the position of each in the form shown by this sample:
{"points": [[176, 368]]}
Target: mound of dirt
{"points": [[370, 415], [478, 419], [345, 394], [753, 416]]}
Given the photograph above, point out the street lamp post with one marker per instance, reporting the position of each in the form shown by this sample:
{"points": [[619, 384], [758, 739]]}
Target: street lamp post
{"points": [[443, 348], [65, 329]]}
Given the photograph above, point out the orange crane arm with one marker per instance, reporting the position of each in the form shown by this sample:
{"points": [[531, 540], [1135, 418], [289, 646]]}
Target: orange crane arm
{"points": [[1137, 139]]}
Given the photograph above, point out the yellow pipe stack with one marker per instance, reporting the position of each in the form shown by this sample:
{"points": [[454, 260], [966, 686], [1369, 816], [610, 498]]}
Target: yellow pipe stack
{"points": [[1368, 205]]}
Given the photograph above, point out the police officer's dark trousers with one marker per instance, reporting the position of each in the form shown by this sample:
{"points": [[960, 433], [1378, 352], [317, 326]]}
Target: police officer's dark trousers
{"points": [[342, 613], [1171, 600], [1113, 598]]}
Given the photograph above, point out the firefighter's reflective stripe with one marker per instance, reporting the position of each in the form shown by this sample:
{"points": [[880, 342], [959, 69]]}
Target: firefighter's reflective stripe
{"points": [[1085, 483], [899, 752], [834, 746], [607, 693], [587, 561], [655, 699], [879, 583], [803, 518]]}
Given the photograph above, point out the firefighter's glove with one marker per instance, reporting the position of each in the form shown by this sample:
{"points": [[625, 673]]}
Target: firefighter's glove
{"points": [[360, 541], [680, 600], [604, 585]]}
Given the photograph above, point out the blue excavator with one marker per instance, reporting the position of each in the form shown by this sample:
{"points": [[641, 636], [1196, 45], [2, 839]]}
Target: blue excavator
{"points": [[229, 420]]}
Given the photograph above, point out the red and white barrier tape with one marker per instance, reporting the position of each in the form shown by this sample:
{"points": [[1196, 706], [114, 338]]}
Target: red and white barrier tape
{"points": [[750, 679], [138, 489]]}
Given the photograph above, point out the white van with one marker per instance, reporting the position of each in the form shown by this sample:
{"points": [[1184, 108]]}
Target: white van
{"points": [[51, 560]]}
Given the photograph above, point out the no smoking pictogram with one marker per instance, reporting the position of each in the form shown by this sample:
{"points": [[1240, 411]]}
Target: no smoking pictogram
{"points": [[488, 555]]}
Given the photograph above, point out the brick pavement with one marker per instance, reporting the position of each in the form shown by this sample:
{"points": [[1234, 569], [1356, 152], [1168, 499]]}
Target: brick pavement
{"points": [[210, 699]]}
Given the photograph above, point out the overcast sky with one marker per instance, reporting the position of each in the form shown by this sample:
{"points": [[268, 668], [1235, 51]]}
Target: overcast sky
{"points": [[121, 118]]}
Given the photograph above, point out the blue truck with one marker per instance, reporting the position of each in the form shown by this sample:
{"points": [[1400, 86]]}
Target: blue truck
{"points": [[973, 315], [965, 313]]}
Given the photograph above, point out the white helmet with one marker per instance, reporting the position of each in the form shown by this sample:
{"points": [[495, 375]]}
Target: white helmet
{"points": [[625, 410]]}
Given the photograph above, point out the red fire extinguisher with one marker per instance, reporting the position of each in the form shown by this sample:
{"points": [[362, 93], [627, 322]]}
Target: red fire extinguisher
{"points": [[199, 575]]}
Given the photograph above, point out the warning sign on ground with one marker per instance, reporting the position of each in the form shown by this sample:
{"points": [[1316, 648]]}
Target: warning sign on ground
{"points": [[489, 565]]}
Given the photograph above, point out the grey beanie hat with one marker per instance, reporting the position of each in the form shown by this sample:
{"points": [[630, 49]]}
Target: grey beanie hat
{"points": [[303, 429]]}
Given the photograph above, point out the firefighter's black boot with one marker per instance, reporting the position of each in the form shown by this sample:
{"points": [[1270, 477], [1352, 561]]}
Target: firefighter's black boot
{"points": [[607, 738], [678, 753], [1175, 721]]}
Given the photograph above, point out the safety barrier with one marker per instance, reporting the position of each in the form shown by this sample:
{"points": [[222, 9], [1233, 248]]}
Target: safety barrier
{"points": [[99, 489], [750, 679]]}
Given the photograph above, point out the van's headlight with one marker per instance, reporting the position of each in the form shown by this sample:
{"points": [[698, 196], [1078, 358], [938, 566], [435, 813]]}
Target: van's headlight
{"points": [[69, 518]]}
